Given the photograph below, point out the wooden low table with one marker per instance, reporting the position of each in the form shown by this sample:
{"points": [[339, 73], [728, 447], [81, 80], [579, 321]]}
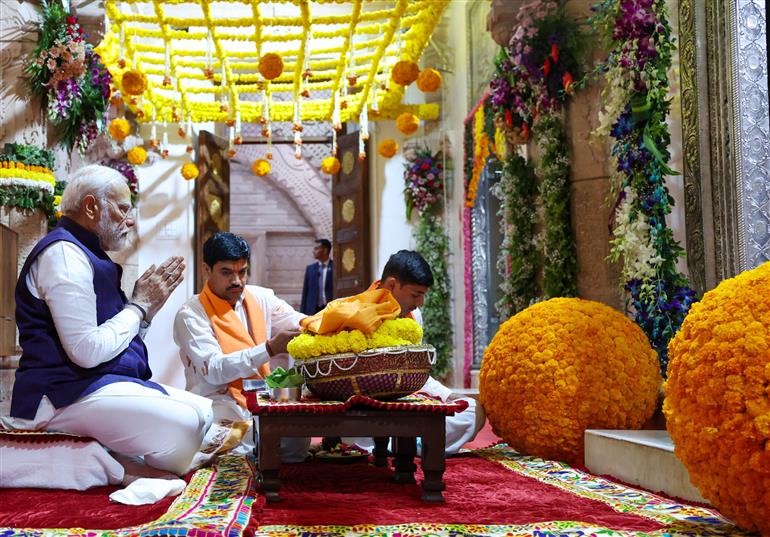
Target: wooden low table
{"points": [[360, 416]]}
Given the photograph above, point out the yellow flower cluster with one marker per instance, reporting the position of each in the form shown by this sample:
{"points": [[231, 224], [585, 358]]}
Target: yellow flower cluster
{"points": [[407, 123], [19, 170], [137, 155], [405, 72], [260, 167], [391, 333], [330, 165], [429, 80], [480, 154], [563, 366], [387, 148], [717, 402], [189, 171], [119, 129], [144, 51]]}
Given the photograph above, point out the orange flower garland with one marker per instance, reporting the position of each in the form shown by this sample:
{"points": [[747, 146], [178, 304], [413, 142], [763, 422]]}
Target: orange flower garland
{"points": [[271, 65], [429, 80], [133, 82], [189, 171], [387, 148], [119, 129], [405, 72], [261, 167], [136, 155], [330, 165], [563, 366], [717, 403], [407, 123]]}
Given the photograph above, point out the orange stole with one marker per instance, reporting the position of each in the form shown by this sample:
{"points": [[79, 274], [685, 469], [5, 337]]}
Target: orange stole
{"points": [[376, 285], [232, 335]]}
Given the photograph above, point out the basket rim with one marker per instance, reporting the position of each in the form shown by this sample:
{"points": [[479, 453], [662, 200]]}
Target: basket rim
{"points": [[423, 347]]}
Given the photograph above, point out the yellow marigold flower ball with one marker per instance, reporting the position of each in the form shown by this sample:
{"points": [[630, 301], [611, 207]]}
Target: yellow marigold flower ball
{"points": [[119, 129], [717, 402], [405, 72], [261, 167], [271, 65], [137, 155], [563, 366], [330, 165], [407, 123], [133, 82], [189, 171], [387, 148], [429, 80]]}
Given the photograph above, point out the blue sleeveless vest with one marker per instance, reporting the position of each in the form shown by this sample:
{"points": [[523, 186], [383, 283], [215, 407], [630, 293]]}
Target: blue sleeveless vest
{"points": [[44, 368]]}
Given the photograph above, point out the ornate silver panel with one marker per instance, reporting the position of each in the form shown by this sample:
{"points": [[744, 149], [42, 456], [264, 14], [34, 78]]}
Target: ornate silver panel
{"points": [[479, 271], [753, 131]]}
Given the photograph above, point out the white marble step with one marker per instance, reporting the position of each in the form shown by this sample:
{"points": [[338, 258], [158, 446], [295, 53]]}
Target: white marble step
{"points": [[644, 458]]}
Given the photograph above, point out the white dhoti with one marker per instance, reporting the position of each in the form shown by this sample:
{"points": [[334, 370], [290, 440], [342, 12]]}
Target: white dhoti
{"points": [[461, 427]]}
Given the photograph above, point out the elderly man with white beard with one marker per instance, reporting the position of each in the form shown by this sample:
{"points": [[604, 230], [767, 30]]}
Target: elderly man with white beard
{"points": [[84, 367]]}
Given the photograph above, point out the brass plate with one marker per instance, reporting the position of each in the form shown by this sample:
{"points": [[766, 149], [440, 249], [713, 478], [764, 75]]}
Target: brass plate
{"points": [[348, 161], [348, 211]]}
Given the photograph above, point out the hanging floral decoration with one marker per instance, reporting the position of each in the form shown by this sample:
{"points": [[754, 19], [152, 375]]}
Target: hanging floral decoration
{"points": [[429, 80], [330, 165], [424, 192], [119, 129], [128, 172], [387, 148], [638, 37], [226, 54], [190, 171], [405, 72], [424, 181], [69, 77], [261, 167], [133, 82], [136, 155], [532, 81], [479, 133], [407, 123], [27, 180]]}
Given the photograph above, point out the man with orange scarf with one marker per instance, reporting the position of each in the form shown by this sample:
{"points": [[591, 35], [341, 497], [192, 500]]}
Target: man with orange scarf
{"points": [[233, 331]]}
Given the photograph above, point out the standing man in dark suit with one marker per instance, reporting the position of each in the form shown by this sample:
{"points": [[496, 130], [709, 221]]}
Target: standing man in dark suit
{"points": [[317, 288]]}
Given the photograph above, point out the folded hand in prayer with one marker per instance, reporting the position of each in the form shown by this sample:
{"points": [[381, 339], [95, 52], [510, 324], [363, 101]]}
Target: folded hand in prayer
{"points": [[153, 288]]}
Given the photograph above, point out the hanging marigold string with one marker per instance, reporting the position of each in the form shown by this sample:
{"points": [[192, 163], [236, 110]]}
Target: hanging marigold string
{"points": [[191, 62]]}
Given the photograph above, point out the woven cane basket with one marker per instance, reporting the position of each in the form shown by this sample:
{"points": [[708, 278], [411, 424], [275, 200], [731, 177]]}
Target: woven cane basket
{"points": [[384, 373]]}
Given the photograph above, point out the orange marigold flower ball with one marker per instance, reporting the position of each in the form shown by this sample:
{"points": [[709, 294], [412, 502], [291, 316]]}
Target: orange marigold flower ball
{"points": [[189, 171], [563, 366], [717, 402], [119, 129], [271, 65], [387, 148], [405, 72], [133, 82], [137, 155], [330, 165], [261, 167], [429, 80], [407, 123]]}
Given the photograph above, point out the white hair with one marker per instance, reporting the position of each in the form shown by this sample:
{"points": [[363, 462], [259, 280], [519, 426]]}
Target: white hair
{"points": [[95, 180]]}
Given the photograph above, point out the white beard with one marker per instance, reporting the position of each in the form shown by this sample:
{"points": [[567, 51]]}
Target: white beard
{"points": [[112, 237]]}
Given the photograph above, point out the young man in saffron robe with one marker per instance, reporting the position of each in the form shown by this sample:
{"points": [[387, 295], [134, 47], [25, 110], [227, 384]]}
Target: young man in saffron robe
{"points": [[84, 362], [408, 277], [233, 331]]}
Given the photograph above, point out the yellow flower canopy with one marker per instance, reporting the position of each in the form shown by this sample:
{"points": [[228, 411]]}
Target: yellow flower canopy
{"points": [[201, 57]]}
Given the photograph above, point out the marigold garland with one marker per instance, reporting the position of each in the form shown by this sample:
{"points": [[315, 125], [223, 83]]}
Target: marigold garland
{"points": [[405, 72], [133, 82], [271, 65], [136, 155], [387, 148], [391, 333], [717, 404], [189, 171], [429, 80], [563, 366], [407, 123], [330, 165], [261, 167], [119, 129]]}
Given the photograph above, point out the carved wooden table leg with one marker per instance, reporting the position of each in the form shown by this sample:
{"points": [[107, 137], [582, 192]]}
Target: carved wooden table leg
{"points": [[405, 449], [269, 462], [434, 461], [380, 451]]}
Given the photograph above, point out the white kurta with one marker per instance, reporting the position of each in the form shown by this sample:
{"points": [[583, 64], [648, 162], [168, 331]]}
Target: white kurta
{"points": [[208, 370]]}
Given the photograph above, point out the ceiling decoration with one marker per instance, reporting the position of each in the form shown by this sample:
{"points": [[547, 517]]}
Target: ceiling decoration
{"points": [[201, 58]]}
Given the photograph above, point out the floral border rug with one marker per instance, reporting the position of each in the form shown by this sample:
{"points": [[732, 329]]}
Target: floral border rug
{"points": [[678, 518], [216, 502]]}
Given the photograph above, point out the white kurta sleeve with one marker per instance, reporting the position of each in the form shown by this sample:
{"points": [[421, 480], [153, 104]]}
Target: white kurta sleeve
{"points": [[195, 337], [63, 277]]}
